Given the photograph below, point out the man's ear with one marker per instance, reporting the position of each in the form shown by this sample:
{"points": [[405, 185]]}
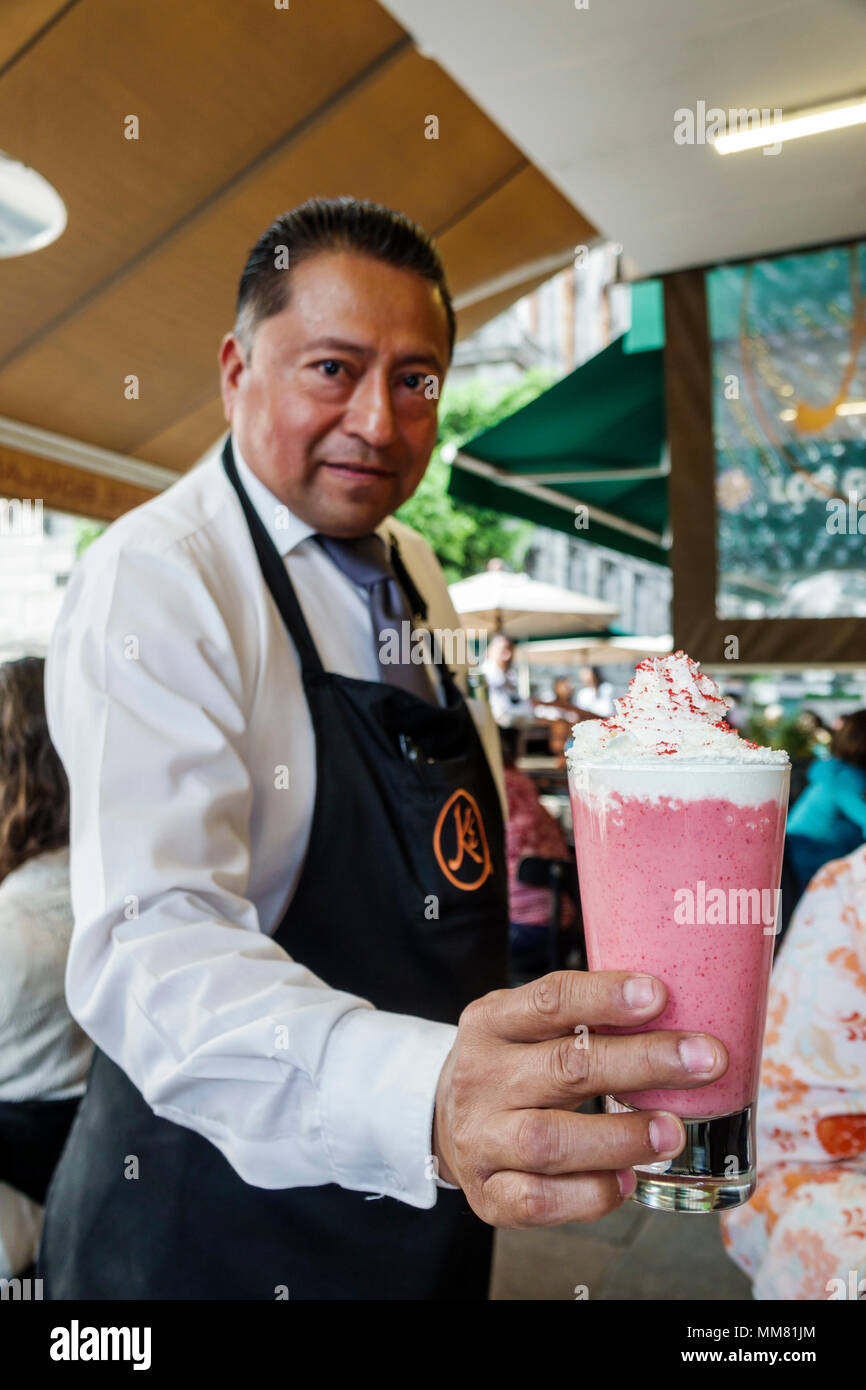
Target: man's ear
{"points": [[232, 363]]}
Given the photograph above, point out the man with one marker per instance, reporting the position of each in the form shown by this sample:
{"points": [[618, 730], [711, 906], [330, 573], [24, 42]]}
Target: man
{"points": [[287, 852], [506, 703], [562, 706], [595, 695]]}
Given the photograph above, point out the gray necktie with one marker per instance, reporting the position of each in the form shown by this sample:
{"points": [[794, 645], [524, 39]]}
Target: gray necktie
{"points": [[366, 562]]}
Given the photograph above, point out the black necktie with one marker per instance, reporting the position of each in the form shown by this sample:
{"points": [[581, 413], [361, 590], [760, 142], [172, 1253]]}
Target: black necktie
{"points": [[366, 562]]}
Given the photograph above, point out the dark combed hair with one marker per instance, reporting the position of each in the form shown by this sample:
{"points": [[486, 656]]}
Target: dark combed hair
{"points": [[34, 792], [332, 224], [848, 742]]}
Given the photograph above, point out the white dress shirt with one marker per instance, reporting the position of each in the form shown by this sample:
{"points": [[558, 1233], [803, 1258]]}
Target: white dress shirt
{"points": [[598, 701], [506, 705], [43, 1053], [175, 701]]}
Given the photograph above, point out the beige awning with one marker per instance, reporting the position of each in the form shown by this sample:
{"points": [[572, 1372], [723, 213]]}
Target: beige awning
{"points": [[593, 651], [518, 606], [243, 111]]}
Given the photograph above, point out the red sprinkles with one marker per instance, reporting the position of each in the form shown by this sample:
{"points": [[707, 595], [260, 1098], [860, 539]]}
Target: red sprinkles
{"points": [[678, 698]]}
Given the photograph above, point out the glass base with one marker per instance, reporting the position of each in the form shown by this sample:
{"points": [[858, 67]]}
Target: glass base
{"points": [[714, 1171]]}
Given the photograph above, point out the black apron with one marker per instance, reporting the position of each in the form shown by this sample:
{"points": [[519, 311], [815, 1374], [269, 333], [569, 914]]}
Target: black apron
{"points": [[401, 900], [32, 1135]]}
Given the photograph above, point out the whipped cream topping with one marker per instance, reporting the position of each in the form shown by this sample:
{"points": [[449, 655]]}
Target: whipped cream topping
{"points": [[672, 709]]}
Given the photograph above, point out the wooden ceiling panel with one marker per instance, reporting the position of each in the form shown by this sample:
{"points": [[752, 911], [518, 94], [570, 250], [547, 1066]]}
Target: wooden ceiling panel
{"points": [[187, 438], [522, 222], [244, 111], [20, 23], [213, 83], [163, 320]]}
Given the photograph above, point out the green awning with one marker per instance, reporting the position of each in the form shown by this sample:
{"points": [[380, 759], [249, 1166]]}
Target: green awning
{"points": [[596, 438]]}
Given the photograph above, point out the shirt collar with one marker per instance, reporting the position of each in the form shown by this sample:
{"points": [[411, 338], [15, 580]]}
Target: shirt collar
{"points": [[286, 530]]}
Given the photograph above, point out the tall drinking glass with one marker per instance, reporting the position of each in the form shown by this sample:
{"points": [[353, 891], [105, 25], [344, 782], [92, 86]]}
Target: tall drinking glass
{"points": [[679, 866]]}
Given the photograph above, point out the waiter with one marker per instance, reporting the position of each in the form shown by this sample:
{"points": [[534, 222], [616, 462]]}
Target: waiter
{"points": [[287, 850]]}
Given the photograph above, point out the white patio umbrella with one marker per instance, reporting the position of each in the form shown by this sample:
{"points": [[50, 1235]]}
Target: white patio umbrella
{"points": [[498, 601], [828, 594], [593, 651]]}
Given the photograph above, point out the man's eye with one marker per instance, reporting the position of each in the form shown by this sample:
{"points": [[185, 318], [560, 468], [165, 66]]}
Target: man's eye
{"points": [[327, 364], [413, 380]]}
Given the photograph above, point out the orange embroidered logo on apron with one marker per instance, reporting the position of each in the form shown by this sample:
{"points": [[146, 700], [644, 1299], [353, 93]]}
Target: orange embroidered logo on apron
{"points": [[460, 842]]}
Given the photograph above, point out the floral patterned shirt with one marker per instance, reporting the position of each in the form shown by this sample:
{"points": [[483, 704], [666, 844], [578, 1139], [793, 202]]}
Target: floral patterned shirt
{"points": [[530, 830], [805, 1226]]}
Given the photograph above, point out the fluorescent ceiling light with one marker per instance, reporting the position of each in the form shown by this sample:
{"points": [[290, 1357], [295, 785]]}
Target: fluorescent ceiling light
{"points": [[32, 213], [838, 116]]}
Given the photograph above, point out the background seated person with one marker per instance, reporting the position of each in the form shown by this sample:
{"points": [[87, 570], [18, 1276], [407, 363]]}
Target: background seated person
{"points": [[564, 714], [507, 706], [595, 695], [828, 819], [529, 830], [44, 1055]]}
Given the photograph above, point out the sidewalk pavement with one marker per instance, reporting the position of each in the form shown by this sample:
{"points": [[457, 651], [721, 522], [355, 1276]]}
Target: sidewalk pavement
{"points": [[635, 1253]]}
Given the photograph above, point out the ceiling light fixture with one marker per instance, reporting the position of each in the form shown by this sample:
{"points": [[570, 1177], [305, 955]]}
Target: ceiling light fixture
{"points": [[814, 121], [32, 213]]}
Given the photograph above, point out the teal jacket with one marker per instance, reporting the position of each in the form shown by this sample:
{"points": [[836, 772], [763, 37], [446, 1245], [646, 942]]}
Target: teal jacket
{"points": [[828, 819]]}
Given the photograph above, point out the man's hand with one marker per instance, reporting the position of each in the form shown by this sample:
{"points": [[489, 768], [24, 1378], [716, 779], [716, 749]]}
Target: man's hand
{"points": [[504, 1128]]}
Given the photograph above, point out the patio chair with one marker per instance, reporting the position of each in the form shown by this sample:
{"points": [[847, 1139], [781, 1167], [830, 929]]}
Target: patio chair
{"points": [[559, 876]]}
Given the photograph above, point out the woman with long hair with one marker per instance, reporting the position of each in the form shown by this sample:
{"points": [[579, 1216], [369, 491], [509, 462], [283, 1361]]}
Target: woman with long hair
{"points": [[44, 1055]]}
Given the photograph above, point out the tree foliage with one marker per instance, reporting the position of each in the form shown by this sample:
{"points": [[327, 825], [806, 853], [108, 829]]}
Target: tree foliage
{"points": [[465, 537], [87, 534]]}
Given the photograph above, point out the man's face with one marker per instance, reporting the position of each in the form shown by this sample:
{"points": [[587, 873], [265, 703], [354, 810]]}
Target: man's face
{"points": [[334, 410]]}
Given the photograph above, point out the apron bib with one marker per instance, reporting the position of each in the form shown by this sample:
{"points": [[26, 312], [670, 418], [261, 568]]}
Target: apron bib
{"points": [[401, 900]]}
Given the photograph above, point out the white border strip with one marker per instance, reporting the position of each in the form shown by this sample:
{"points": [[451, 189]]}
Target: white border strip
{"points": [[61, 449], [613, 474]]}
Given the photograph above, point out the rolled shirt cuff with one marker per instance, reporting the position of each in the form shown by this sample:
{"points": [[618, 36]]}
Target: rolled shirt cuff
{"points": [[378, 1091]]}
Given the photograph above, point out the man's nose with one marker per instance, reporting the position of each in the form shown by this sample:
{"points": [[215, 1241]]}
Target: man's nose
{"points": [[370, 414]]}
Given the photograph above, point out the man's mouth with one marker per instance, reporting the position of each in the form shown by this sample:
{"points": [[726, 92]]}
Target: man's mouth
{"points": [[357, 471]]}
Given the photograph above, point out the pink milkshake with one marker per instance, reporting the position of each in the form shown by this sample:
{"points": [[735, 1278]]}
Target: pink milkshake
{"points": [[679, 830]]}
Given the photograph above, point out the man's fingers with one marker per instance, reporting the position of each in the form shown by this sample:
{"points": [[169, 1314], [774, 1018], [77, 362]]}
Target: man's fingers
{"points": [[565, 1000], [553, 1142], [516, 1201], [568, 1070]]}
